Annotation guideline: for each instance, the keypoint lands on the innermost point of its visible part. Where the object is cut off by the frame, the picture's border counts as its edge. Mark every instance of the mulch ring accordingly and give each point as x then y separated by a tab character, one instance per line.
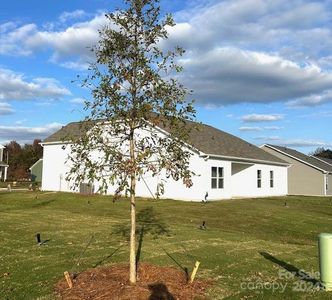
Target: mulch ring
153	283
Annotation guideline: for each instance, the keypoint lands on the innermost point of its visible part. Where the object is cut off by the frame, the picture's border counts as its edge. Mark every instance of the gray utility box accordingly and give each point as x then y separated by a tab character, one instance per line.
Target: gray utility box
86	188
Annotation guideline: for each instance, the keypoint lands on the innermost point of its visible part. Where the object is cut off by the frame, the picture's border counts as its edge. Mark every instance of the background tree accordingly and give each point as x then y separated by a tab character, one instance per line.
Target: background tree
322	152
20	159
133	92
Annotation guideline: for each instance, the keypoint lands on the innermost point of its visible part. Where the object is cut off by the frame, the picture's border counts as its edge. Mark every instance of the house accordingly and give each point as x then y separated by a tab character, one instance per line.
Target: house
36	171
307	175
225	167
3	165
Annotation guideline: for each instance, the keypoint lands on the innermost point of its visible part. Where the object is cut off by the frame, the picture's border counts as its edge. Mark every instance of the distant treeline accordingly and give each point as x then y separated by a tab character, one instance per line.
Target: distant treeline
21	158
322	152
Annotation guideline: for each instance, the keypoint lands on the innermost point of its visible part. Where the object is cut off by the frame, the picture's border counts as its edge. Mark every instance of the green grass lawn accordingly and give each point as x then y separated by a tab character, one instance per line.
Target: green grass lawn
247	247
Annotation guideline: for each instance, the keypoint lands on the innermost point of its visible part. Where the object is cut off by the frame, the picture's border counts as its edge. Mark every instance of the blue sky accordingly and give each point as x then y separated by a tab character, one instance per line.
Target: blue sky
260	70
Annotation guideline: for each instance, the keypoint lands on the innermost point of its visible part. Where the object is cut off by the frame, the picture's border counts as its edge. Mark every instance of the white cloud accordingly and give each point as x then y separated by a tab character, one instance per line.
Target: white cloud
320	114
78	65
76	14
304	143
6	27
294	42
13	37
20	122
258	128
261	118
250	128
14	86
6	109
251	23
273	127
312	100
69	46
296	143
288	69
77	101
272	138
229	75
23	134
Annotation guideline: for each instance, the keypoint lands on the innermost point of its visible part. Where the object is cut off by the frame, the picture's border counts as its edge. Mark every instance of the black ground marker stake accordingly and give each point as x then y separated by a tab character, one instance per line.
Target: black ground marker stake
38	238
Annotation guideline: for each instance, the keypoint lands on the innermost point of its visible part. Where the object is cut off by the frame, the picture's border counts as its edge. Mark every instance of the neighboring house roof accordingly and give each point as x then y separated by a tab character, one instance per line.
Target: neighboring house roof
37	162
323	159
207	139
308	160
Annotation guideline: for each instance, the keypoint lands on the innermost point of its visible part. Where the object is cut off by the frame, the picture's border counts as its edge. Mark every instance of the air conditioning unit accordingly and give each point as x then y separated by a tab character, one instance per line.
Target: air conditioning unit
86	189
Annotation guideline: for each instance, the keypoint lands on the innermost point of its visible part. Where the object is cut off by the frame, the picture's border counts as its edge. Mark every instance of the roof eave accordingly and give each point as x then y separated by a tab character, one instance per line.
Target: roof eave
55	143
252	160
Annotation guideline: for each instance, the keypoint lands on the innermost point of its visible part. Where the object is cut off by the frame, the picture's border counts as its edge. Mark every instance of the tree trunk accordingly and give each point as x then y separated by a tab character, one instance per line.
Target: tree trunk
132	271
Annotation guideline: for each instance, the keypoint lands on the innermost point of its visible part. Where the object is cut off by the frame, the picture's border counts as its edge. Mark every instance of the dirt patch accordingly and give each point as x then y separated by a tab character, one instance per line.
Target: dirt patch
153	283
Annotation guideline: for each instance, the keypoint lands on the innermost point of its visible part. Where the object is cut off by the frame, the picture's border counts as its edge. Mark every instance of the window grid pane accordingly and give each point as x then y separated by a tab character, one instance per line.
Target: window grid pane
214	183
221	183
217	177
221	172
214	172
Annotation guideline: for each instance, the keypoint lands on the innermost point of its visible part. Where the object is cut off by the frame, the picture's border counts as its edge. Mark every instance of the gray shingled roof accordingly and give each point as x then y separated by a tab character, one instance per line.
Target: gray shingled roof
327	160
68	132
205	138
305	158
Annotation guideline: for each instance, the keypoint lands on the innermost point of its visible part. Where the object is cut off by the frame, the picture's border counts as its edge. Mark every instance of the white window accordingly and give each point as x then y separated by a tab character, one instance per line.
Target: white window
217	178
259	178
271	179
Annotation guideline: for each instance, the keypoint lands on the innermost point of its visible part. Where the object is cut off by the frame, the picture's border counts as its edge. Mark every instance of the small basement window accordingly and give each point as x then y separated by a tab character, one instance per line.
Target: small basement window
271	179
259	178
217	178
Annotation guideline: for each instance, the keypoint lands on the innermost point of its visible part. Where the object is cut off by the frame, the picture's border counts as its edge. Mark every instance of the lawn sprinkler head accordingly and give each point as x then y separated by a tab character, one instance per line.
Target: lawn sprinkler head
203	227
38	238
205	197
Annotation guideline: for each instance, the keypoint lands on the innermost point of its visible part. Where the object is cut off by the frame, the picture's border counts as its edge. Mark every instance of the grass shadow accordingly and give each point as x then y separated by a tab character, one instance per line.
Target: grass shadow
147	222
299	274
43	203
106	257
140	244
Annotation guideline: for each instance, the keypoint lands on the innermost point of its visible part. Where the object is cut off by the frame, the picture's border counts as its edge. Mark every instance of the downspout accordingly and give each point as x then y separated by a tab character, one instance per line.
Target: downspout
325	184
206	157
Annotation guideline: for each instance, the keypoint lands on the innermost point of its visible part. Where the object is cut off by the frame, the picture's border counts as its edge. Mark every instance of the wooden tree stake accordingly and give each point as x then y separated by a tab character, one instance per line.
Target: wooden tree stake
68	279
193	274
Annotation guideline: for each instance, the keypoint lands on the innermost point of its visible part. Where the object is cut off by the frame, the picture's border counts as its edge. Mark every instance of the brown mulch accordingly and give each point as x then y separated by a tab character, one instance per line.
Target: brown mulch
153	283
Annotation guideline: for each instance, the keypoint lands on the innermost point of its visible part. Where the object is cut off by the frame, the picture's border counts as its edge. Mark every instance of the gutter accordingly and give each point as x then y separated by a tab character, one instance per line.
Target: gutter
207	156
55	143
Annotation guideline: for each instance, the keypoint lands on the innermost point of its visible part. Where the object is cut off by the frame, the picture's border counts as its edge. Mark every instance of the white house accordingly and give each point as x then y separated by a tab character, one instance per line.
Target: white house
3	165
225	167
